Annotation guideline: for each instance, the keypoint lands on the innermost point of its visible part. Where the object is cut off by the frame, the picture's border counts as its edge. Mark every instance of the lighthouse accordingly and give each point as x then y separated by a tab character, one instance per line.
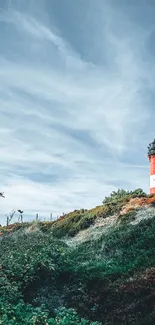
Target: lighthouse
151	156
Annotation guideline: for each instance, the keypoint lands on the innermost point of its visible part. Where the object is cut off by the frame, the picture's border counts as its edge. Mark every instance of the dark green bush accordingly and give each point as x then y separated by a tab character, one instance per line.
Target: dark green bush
28	315
116	200
120	194
72	224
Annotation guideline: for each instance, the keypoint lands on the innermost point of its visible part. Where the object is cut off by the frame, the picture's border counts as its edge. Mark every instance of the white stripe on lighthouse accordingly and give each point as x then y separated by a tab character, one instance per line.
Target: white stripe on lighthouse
152	181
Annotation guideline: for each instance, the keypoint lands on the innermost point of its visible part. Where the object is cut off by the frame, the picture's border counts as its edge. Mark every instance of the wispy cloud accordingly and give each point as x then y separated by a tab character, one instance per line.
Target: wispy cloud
73	127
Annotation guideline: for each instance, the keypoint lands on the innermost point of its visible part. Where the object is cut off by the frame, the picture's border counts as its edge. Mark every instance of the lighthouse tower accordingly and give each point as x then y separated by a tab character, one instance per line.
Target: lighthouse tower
151	156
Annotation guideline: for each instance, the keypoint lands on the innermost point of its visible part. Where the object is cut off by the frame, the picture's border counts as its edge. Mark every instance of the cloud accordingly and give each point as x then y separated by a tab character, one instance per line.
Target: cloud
73	127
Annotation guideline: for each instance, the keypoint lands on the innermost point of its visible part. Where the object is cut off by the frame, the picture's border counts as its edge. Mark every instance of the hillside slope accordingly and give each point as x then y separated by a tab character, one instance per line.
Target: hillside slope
99	263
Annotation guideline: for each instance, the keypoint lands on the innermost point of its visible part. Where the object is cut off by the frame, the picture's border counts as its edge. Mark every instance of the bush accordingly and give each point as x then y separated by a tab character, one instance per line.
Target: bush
72	224
127	217
120	194
70	317
116	200
15	315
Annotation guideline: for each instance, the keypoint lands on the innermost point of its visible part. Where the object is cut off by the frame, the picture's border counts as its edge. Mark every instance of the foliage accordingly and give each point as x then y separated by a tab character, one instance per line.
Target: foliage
25	258
27	261
120	250
116	200
102	265
15	315
123	194
72	224
109	279
70	317
127	217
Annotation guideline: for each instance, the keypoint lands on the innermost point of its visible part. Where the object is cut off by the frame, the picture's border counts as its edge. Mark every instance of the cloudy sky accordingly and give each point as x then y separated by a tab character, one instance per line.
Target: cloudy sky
77	101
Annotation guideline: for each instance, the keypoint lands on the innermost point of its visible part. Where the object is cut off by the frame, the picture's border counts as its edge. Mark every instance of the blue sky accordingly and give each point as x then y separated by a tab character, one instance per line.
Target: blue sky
77	101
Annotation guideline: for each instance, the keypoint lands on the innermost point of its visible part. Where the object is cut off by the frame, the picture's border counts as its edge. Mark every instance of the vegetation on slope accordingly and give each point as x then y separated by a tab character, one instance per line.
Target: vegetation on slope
70	224
110	279
27	262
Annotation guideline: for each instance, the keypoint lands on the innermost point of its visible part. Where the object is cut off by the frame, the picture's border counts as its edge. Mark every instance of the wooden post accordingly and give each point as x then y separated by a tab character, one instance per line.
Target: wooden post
7	221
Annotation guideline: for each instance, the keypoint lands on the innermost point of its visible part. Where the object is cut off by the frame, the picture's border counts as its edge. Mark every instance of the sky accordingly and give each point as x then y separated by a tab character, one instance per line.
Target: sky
77	102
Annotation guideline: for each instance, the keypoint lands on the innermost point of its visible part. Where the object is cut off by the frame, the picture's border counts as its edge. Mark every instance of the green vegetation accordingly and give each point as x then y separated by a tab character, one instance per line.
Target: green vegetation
118	199
27	315
122	194
72	224
27	261
127	217
109	280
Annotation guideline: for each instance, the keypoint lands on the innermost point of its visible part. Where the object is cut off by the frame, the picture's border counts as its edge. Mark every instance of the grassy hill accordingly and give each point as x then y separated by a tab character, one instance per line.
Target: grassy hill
89	267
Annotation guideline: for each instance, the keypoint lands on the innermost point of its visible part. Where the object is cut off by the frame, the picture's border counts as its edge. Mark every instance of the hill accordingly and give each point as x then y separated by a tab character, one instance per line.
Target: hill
89	267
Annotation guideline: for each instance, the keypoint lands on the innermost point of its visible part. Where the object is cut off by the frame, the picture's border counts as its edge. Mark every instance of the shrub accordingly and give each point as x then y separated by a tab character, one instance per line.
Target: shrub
120	194
16	315
72	224
116	200
70	317
127	217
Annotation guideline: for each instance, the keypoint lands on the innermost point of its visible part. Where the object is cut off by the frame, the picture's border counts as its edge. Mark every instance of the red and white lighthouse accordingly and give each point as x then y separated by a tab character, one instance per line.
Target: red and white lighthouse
151	156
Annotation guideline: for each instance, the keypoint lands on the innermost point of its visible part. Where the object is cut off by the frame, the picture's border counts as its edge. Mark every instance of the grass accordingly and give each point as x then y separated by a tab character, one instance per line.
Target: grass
121	250
42	270
110	279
